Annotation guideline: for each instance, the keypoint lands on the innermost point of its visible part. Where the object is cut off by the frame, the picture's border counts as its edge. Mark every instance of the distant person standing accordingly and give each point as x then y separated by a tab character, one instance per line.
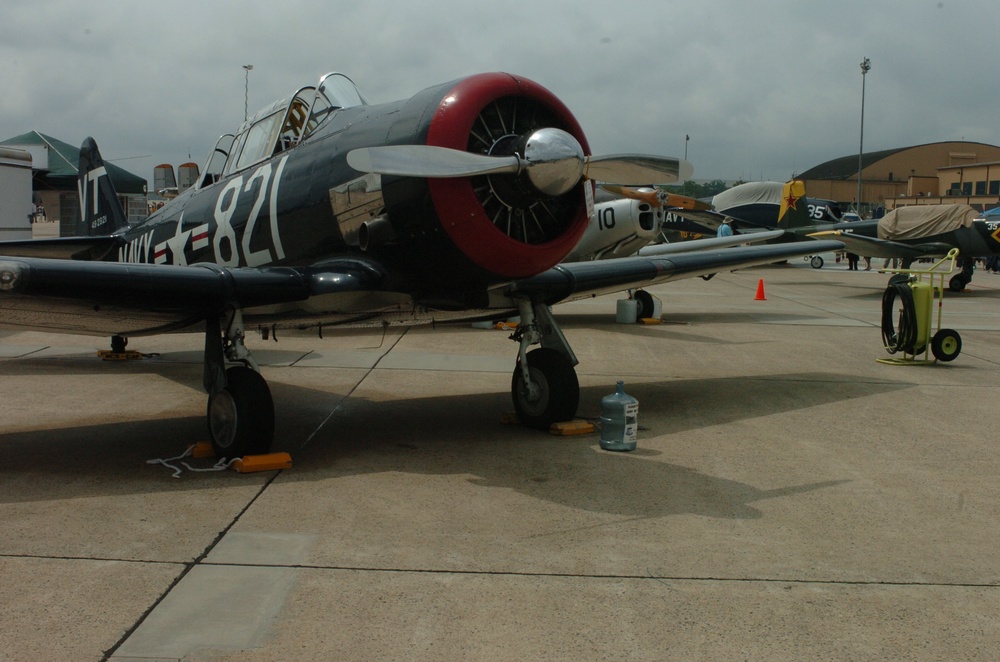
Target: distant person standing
726	229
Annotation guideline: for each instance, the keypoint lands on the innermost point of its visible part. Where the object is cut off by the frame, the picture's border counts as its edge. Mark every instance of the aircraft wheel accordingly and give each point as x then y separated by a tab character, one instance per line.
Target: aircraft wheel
946	345
957	283
241	416
816	262
555	395
644	307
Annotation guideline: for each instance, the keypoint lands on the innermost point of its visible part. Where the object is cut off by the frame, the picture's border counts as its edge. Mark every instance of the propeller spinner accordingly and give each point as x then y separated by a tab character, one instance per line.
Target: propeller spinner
552	159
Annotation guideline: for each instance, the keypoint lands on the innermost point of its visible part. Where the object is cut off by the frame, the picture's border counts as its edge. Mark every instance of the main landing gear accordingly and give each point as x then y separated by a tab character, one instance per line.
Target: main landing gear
240	407
544	386
964	277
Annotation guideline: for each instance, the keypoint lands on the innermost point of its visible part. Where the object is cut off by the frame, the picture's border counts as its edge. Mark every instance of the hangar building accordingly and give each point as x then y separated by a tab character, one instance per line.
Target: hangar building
953	171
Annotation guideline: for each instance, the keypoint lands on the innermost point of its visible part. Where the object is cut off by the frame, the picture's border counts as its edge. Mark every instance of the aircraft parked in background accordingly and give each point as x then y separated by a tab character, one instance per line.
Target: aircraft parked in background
923	231
757	206
323	211
620	226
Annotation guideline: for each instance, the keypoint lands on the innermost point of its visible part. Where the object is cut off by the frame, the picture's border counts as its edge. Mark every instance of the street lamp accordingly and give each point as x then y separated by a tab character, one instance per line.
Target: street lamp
246	91
866	66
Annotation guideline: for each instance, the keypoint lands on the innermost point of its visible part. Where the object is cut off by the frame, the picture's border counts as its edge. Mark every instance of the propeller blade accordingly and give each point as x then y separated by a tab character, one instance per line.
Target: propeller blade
637	169
658	198
428	161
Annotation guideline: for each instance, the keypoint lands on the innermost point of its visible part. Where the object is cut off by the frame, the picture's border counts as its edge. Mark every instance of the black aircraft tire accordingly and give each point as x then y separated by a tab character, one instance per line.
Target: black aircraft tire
816	262
957	283
559	389
241	416
644	304
946	345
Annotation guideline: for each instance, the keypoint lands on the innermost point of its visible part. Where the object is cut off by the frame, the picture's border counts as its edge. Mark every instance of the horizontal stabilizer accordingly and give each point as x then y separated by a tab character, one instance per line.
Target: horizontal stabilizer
62	248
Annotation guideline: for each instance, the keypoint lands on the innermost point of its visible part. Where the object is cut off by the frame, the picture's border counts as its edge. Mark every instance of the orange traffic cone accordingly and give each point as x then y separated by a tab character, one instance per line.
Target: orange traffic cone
760	291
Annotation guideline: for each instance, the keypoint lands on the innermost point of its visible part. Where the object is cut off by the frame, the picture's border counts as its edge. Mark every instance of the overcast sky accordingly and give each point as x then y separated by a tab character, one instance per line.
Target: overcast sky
764	89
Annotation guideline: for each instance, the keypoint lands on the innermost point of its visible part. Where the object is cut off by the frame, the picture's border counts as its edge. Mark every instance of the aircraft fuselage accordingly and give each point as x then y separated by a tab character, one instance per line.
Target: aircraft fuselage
306	205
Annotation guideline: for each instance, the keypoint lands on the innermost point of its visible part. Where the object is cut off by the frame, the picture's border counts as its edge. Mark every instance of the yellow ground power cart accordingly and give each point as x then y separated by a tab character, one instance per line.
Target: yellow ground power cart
909	331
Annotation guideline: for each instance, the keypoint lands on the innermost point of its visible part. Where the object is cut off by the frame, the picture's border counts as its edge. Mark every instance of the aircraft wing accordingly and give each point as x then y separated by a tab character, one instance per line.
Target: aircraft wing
708	244
112	298
576	280
874	247
128	299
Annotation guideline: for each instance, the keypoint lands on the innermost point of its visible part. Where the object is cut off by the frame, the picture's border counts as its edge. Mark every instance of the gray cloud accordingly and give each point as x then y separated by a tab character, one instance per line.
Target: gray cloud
764	89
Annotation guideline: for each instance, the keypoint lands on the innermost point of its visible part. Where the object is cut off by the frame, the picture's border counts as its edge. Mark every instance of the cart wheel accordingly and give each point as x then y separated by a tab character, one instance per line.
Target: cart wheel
946	345
816	262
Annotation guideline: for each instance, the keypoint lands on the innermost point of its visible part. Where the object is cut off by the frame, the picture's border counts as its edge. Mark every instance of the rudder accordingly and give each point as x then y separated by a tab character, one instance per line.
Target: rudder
794	211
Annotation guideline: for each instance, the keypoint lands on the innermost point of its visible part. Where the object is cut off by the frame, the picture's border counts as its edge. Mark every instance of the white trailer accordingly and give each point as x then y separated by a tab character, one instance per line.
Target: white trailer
17	208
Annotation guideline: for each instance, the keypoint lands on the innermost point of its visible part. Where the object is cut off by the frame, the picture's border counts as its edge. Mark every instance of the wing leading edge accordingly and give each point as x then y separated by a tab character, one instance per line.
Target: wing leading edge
584	279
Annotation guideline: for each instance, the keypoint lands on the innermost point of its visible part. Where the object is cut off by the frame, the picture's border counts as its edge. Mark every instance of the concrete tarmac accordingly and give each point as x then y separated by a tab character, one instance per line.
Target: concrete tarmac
790	498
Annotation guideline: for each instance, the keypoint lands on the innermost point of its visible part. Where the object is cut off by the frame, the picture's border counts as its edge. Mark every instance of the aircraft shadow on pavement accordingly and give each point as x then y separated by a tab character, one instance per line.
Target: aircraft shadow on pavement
432	436
441	435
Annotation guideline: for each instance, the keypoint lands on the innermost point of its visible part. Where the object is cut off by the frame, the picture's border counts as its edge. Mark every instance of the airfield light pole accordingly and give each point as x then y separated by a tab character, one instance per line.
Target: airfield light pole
246	91
866	66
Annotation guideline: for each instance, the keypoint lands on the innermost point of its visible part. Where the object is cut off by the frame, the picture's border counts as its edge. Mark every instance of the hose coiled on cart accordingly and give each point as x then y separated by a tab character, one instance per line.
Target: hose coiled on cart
905	336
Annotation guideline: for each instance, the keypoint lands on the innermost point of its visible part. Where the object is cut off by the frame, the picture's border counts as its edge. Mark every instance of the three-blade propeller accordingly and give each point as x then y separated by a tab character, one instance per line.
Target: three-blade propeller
552	159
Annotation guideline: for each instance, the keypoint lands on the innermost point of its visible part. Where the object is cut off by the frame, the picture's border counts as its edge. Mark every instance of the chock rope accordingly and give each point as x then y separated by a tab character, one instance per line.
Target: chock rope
221	465
904	336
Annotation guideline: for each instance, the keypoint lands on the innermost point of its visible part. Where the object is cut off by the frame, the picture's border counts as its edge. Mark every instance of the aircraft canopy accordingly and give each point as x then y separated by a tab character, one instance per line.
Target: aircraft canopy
281	126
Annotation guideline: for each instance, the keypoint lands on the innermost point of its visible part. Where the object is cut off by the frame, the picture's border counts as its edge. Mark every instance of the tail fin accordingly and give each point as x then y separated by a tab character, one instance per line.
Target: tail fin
794	211
101	212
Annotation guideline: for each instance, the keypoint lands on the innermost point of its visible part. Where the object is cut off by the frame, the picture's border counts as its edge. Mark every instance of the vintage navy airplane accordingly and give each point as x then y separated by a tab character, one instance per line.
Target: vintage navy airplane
757	206
625	220
923	231
323	211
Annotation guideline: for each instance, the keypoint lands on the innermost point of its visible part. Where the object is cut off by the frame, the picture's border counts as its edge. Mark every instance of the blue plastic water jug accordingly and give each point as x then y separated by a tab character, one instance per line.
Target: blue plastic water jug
619	421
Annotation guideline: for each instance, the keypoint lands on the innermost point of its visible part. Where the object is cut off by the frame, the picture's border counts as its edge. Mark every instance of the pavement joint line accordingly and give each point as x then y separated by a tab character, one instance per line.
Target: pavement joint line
189	566
96	559
576	575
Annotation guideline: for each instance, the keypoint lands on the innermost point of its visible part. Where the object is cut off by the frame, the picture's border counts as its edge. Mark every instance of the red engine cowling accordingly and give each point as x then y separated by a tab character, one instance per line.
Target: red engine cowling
501	222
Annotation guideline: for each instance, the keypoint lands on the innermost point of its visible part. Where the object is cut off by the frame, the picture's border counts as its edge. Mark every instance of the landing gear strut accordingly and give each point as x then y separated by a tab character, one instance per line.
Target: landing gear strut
544	386
963	278
240	407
